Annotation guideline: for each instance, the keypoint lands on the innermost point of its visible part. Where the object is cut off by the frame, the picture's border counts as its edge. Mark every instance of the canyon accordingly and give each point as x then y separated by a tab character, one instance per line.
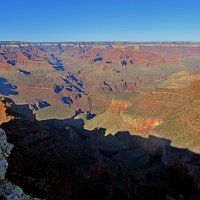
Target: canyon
102	120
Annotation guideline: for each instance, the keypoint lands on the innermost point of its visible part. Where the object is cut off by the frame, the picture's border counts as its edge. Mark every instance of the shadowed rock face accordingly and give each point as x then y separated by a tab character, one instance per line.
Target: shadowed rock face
5	151
24	72
8	191
65	163
7	88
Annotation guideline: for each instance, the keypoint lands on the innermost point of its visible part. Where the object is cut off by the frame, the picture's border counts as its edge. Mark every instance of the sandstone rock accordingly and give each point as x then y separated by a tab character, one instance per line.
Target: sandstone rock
3	116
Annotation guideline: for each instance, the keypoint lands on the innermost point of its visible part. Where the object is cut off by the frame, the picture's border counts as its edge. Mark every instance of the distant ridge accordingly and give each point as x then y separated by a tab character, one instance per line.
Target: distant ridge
114	42
99	44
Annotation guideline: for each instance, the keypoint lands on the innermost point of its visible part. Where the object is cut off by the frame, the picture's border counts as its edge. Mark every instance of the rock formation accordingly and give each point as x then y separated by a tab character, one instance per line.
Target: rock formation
3	116
4	153
8	191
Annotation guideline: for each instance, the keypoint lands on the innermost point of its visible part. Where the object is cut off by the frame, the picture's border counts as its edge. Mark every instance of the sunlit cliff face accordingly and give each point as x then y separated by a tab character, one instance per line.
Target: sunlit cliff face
3	115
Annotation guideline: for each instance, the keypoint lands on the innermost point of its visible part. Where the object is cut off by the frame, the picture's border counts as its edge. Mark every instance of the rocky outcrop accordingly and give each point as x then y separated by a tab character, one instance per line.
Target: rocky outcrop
8	191
5	150
3	116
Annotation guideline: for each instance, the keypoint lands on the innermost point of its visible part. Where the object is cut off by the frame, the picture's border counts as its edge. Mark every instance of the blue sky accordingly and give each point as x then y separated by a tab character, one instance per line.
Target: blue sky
100	20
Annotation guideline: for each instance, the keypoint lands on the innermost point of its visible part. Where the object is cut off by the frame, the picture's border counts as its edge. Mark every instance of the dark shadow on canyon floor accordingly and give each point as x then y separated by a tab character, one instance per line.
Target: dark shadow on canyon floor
59	162
7	88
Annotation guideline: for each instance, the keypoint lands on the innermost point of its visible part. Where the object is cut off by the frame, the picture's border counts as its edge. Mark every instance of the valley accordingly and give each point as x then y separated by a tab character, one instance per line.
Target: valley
102	120
136	85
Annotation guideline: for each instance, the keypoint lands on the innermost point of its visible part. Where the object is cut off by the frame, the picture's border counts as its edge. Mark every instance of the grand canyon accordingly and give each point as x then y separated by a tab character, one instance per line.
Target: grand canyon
100	120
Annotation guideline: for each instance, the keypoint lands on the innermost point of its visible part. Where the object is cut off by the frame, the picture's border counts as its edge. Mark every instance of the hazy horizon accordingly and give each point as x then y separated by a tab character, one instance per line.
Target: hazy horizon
159	41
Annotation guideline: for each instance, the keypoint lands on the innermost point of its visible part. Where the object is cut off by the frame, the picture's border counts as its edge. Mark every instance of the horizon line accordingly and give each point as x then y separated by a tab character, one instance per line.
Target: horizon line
101	41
